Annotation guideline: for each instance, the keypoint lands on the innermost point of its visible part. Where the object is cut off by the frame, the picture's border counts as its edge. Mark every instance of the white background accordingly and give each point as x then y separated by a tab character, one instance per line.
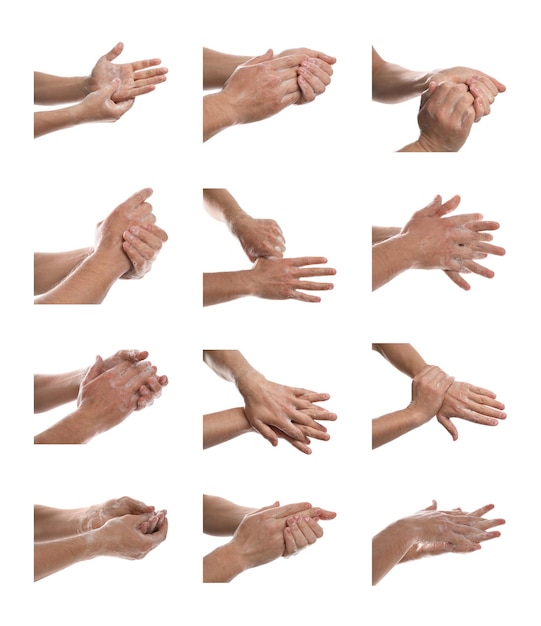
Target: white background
326	172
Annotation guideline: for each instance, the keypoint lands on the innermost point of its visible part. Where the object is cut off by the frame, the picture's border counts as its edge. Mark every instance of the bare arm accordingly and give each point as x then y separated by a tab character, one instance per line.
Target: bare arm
218	67
222	517
403	356
50	268
223	426
392	83
52	390
50	89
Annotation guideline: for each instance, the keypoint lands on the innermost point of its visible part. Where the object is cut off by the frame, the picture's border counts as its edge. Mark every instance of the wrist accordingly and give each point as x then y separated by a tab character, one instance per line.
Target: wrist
417	416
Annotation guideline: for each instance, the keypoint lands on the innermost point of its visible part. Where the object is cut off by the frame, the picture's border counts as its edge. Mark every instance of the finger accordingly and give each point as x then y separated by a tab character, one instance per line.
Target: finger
289	542
475	268
141	65
431	507
449	206
480	512
458	280
299	445
300	540
480	109
449	426
287	510
265	431
321	514
138	197
114	52
320	69
307	91
315	433
308	260
260	59
93	371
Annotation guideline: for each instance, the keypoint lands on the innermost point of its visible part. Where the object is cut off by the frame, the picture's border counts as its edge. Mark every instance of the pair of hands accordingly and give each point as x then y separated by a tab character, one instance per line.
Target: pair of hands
113	388
434	393
127	528
454	244
268	83
281	412
274	531
455	99
129	238
113	87
439	532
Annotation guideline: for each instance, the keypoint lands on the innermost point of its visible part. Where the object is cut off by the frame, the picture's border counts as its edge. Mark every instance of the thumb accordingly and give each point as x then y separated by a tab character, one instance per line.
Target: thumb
262	57
93	371
431	210
432	507
114	52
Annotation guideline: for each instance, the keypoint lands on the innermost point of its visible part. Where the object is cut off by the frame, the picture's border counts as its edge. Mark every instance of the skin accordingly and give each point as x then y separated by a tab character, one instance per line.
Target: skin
105	398
53	390
225	425
271	407
257	237
127	242
452	100
105	95
124	528
259	535
260	87
458	400
429	533
271	279
430	240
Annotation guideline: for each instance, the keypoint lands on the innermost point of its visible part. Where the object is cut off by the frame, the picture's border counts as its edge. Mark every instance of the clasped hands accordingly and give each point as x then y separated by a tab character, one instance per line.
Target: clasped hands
454	244
281	412
268	83
129	238
274	531
455	99
435	393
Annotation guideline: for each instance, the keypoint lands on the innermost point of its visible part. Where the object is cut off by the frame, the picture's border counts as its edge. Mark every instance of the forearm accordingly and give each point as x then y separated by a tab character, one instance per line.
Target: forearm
223	426
51	523
394	425
52	556
221	205
228	364
218	67
76	428
389	547
50	268
403	356
382	233
50	90
217	115
389	259
50	121
222	517
89	283
392	83
219	287
221	565
52	390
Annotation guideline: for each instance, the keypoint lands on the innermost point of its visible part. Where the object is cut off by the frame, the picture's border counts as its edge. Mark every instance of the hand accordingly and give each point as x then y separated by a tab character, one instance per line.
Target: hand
452	243
98	514
262	87
484	88
309	432
451	531
260	537
269	404
135	79
314	74
109	396
428	389
258	237
445	117
110	231
280	279
473	404
149	391
101	105
300	532
142	245
132	536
